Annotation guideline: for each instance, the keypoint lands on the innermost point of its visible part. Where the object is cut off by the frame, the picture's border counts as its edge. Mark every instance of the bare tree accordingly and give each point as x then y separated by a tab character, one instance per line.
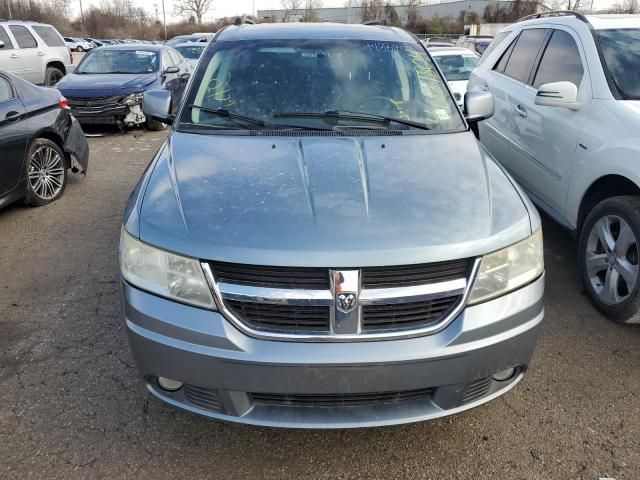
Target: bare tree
193	7
289	6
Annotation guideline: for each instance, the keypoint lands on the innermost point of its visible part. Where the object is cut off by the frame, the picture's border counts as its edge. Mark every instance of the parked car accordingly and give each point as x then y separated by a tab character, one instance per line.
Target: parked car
78	44
39	140
438	42
476	44
95	42
567	91
108	84
321	241
191	51
196	37
456	65
34	51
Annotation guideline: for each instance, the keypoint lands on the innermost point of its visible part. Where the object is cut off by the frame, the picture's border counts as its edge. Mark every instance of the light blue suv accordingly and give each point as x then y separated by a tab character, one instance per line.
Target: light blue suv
321	241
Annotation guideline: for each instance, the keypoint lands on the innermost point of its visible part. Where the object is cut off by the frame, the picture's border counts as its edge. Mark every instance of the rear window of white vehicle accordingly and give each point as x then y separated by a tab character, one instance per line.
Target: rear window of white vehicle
23	36
48	35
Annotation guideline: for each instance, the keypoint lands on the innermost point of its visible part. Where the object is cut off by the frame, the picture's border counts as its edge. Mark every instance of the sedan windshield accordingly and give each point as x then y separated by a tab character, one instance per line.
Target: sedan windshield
192	52
456	67
621	50
321	84
119	61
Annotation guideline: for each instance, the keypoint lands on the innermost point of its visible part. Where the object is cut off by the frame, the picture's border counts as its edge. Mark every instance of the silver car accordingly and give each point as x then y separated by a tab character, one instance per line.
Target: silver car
321	242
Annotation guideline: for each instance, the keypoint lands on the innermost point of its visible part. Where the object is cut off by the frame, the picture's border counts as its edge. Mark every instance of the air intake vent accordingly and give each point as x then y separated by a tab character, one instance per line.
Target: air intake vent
341	400
407	275
203	397
284	318
406	315
476	390
266	276
325	133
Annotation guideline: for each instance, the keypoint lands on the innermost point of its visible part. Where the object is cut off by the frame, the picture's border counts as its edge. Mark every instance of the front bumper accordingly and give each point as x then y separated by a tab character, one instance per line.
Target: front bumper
231	376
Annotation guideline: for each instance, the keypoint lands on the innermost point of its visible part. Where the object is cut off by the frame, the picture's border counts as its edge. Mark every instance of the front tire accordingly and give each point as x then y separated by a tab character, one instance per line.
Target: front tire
609	258
79	49
155	126
46	172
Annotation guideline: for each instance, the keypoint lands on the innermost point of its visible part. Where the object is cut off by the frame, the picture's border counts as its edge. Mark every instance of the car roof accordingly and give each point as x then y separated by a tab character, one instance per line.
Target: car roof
300	31
191	44
443	51
134	46
614	21
597	21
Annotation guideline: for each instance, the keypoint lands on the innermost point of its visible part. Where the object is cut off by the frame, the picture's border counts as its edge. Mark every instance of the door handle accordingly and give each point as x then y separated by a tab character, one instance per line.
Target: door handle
485	87
13	55
12	116
41	54
521	111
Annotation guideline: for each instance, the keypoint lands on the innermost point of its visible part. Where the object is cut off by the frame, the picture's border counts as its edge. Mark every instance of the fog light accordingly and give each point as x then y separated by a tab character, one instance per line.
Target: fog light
169	385
504	375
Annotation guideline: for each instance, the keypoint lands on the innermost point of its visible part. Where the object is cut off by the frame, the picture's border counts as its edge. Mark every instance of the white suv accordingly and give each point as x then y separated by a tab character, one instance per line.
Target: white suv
567	127
34	51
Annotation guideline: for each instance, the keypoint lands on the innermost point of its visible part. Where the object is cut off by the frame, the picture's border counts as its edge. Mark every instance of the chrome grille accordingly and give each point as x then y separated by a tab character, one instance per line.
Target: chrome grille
341	400
310	304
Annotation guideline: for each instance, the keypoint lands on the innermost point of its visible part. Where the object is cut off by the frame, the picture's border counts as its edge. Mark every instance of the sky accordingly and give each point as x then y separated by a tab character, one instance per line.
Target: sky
229	8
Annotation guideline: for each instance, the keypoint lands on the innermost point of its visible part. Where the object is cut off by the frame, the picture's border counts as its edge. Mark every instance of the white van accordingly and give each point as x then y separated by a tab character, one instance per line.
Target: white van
34	51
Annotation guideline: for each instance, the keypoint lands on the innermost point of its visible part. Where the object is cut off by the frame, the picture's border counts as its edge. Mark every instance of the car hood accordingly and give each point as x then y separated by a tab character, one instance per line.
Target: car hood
96	85
329	201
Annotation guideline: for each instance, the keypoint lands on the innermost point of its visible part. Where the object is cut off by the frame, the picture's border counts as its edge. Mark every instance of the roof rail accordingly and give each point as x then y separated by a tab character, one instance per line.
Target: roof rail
381	21
559	13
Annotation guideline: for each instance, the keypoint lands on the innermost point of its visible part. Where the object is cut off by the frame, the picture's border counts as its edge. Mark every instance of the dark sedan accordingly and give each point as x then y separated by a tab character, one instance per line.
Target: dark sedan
40	141
108	84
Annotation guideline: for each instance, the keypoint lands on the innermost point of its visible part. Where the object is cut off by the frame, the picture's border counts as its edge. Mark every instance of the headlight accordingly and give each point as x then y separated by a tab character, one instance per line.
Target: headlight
133	99
166	274
508	269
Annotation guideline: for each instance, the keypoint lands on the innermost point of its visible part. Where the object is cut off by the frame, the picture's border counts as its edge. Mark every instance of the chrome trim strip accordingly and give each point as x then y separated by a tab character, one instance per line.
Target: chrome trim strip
416	293
281	296
322	337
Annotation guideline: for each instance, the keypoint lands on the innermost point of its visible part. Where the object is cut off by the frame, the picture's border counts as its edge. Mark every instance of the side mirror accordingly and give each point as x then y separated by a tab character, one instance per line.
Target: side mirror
156	104
478	105
1	44
170	70
558	94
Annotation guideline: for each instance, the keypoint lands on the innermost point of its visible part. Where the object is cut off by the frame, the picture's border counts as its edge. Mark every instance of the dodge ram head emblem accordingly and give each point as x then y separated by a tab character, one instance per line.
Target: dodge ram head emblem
346	301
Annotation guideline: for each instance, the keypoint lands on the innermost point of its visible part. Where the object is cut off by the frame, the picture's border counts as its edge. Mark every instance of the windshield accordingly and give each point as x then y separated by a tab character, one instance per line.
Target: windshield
621	51
119	61
272	81
192	51
456	67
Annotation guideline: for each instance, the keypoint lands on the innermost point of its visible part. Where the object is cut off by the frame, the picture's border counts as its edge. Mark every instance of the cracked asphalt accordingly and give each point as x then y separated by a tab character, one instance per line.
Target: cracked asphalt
71	405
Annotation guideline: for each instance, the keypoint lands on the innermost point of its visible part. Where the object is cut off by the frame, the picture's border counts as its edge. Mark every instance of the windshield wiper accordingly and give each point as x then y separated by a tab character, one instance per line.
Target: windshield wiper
335	115
223	112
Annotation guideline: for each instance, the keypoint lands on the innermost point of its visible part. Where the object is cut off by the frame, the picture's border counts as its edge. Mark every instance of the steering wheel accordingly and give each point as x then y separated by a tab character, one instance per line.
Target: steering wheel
376	98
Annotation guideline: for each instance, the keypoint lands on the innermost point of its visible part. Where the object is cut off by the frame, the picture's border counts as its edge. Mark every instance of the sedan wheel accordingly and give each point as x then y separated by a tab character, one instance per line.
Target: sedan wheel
47	174
610	259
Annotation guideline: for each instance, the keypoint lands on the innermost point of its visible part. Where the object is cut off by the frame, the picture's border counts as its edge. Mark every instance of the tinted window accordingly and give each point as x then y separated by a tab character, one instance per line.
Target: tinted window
5	38
5	90
560	61
524	54
621	51
493	45
48	36
273	80
192	52
502	63
23	37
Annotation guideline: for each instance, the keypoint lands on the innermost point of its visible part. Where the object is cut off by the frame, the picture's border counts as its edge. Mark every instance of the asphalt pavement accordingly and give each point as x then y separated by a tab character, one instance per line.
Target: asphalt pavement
72	406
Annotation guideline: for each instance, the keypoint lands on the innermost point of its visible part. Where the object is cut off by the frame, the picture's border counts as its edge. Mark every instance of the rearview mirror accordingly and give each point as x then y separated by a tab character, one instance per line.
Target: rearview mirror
156	104
478	105
171	70
558	94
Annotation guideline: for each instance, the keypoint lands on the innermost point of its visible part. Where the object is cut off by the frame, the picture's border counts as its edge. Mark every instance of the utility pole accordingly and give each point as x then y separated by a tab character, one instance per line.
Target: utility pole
9	7
164	17
81	12
155	5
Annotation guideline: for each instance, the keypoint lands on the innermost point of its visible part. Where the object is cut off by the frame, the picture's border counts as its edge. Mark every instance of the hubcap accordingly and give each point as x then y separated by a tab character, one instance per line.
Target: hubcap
46	172
612	259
